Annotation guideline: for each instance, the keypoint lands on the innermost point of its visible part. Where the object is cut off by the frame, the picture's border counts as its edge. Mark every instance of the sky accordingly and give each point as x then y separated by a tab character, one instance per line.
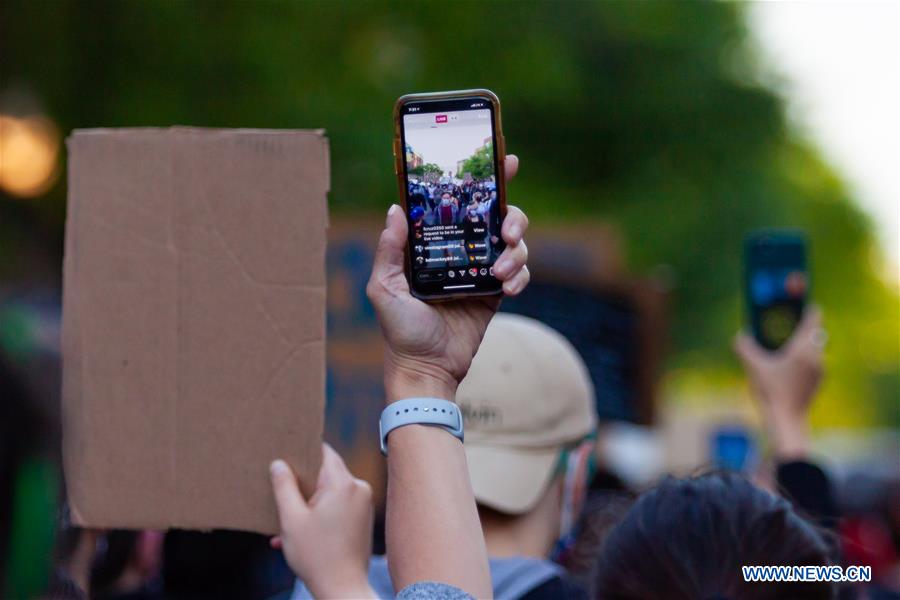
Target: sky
444	145
840	63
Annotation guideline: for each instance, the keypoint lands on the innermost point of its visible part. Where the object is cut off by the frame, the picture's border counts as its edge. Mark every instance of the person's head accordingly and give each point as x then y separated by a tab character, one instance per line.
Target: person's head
445	198
528	406
416	213
476	197
689	538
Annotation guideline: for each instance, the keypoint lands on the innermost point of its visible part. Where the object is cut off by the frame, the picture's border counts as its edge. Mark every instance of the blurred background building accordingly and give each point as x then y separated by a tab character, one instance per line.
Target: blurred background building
652	136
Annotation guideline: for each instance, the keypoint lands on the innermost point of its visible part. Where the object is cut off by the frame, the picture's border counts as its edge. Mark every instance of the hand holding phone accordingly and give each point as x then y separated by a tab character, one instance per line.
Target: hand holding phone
450	161
429	346
785	382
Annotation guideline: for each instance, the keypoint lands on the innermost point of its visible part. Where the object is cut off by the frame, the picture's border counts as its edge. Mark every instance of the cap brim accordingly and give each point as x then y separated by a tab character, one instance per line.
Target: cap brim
508	479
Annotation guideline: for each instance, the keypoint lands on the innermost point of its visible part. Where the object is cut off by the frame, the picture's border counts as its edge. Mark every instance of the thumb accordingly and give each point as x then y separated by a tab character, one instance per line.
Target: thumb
747	349
288	498
389	257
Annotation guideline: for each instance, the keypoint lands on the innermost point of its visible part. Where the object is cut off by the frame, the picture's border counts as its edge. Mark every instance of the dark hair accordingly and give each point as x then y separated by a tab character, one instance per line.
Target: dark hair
110	563
688	538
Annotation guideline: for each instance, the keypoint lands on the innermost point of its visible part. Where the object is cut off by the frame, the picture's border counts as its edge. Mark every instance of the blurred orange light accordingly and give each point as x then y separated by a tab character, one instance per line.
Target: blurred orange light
29	148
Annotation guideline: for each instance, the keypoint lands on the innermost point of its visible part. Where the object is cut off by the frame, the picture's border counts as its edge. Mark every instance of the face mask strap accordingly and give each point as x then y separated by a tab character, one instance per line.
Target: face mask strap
579	466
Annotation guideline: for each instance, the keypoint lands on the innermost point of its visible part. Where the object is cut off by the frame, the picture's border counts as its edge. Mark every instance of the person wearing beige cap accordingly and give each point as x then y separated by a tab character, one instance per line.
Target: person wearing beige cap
528	409
530	420
526	400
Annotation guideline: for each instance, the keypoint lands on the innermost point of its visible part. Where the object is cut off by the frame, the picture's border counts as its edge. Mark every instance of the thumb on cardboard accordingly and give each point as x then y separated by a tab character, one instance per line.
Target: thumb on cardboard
288	498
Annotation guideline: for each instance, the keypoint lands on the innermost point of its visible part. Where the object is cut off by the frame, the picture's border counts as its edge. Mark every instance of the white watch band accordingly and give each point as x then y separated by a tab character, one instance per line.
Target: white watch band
420	411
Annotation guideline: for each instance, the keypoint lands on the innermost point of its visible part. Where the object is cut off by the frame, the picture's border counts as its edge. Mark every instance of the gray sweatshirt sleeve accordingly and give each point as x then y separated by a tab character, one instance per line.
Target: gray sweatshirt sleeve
430	590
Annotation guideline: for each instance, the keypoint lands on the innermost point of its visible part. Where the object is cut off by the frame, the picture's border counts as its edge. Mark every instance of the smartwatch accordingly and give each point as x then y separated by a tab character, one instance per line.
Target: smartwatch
420	411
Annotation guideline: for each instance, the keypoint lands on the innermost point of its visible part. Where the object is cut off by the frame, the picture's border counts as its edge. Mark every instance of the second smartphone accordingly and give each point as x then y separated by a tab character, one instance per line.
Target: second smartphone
448	156
776	283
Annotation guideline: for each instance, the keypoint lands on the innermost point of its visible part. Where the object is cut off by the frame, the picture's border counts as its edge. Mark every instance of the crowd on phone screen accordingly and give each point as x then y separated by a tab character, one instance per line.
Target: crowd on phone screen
468	205
452	203
557	524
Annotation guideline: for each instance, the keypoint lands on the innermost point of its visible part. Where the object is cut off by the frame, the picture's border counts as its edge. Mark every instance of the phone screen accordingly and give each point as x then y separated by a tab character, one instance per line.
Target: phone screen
453	198
777	285
733	448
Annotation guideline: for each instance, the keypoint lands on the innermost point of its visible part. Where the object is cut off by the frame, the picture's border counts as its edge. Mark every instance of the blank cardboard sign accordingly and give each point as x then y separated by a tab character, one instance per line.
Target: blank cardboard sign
193	323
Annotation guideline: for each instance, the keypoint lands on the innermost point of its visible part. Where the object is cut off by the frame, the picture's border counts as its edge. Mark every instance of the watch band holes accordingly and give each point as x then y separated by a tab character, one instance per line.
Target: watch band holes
405	410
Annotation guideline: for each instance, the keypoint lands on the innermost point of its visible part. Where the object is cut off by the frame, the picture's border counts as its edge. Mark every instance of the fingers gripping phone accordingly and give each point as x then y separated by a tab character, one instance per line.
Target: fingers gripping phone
776	283
448	157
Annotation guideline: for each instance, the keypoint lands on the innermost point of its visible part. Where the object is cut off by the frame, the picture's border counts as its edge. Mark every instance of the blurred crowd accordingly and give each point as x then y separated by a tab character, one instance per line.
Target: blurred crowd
549	513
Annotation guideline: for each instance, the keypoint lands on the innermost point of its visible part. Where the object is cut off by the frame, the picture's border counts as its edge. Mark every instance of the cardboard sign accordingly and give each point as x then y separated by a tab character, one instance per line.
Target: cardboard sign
193	323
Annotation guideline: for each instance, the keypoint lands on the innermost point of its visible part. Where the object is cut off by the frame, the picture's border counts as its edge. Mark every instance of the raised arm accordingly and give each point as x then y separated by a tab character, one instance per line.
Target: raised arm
784	383
433	531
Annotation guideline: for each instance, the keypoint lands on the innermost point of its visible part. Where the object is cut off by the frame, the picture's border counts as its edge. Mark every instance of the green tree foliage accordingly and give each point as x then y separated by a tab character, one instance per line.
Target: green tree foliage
426	168
481	164
648	115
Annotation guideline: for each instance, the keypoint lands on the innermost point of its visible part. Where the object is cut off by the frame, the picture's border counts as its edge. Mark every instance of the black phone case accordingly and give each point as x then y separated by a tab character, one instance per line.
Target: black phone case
770	255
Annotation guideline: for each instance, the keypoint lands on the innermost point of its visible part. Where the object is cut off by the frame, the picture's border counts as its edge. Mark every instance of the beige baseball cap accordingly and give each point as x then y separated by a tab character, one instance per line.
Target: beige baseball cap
527	395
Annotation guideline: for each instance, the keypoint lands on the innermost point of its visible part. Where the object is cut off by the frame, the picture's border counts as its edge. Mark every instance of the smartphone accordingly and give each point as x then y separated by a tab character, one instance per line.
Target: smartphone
733	447
448	157
777	284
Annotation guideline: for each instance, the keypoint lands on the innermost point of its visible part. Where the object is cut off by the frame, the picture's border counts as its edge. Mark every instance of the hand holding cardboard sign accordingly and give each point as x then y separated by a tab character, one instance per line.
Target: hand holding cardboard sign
326	540
430	346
